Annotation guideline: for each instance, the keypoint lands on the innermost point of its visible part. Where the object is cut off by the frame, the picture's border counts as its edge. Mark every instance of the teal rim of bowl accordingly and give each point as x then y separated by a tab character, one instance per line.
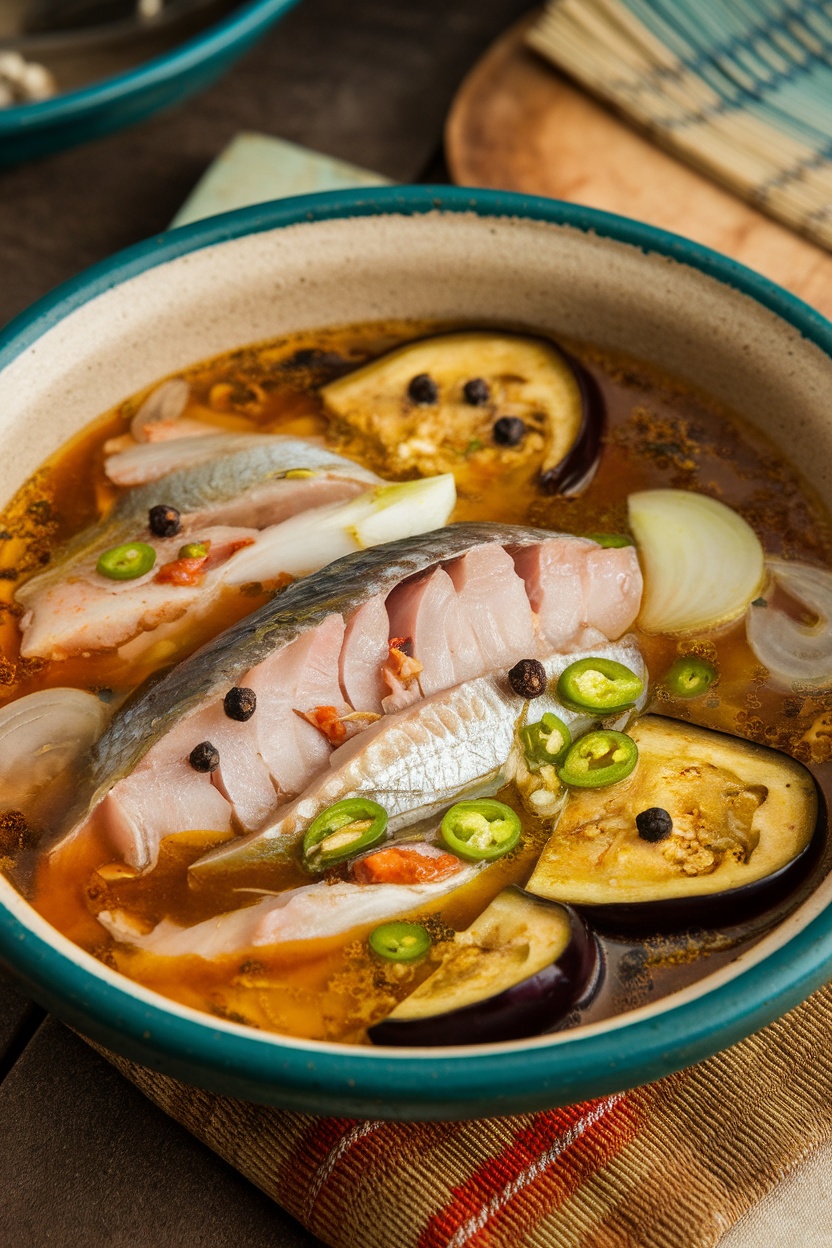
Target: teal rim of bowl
478	1081
218	40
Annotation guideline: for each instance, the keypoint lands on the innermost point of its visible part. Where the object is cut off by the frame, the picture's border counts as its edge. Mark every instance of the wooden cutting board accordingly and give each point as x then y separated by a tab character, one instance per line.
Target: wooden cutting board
517	124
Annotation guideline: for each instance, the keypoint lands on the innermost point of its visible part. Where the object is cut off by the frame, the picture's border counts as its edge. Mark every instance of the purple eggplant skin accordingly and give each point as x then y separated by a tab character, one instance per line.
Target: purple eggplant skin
716	910
529	1008
577	468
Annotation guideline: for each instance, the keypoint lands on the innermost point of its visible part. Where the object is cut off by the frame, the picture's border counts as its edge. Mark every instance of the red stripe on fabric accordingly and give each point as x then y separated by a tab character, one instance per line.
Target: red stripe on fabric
369	1152
539	1170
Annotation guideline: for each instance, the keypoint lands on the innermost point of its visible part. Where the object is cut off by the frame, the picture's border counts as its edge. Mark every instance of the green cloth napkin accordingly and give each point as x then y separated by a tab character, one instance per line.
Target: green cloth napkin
256	167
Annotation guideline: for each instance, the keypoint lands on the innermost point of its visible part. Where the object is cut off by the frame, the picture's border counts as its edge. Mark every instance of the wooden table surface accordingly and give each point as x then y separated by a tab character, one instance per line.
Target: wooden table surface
86	1161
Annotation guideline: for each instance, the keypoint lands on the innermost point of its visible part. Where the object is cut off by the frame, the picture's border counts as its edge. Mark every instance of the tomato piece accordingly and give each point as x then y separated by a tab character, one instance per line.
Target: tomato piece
403	864
327	720
187	571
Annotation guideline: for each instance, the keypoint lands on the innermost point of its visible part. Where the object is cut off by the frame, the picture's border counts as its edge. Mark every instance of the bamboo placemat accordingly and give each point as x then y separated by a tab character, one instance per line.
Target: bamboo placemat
740	88
519	124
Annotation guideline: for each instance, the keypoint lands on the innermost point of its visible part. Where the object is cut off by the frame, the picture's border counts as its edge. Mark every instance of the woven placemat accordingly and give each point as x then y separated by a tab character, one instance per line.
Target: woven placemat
670	1165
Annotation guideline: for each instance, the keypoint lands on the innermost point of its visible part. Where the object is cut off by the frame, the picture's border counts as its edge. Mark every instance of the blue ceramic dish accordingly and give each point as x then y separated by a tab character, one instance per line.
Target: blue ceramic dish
451	254
31	130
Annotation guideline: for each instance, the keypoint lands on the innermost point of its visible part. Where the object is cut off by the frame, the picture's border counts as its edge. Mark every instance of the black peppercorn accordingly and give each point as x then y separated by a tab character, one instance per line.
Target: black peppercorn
476	391
204	757
528	678
654	824
240	703
164	521
509	430
423	390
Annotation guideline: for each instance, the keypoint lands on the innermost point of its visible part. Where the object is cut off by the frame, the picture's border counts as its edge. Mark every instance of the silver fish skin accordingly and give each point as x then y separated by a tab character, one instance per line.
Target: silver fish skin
343	587
415	763
241	463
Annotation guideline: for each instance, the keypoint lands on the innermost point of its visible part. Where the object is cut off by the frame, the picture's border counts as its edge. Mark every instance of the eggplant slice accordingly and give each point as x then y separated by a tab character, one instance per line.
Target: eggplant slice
464	401
515	972
708	829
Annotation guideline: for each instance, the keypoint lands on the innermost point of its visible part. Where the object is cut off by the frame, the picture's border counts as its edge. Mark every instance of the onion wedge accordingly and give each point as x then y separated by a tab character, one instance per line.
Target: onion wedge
42	736
309	541
702	563
166	404
795	652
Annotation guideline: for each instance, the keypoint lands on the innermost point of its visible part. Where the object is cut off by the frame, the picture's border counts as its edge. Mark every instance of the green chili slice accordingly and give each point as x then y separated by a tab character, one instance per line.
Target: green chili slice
400	942
599	758
125	563
482	830
194	550
599	685
545	742
610	541
690	677
342	830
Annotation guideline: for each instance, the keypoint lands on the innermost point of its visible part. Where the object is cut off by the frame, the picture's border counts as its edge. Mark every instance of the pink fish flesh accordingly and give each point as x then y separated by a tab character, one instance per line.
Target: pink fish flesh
339	663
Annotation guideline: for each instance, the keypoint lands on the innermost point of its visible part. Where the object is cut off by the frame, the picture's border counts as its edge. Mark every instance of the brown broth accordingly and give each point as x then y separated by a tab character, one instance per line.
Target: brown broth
660	434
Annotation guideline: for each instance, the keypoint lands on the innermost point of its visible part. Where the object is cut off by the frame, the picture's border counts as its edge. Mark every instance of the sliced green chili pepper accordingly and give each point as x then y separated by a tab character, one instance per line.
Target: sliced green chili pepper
194	550
482	830
599	685
610	541
125	563
545	742
341	831
400	942
599	758
690	677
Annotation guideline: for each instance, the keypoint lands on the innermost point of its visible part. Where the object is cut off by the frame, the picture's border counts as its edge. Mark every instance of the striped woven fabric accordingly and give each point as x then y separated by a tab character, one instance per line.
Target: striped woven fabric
740	88
670	1165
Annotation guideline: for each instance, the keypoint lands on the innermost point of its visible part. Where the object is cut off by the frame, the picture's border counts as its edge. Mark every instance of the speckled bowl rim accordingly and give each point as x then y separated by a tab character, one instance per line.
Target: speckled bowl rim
467	1082
219	39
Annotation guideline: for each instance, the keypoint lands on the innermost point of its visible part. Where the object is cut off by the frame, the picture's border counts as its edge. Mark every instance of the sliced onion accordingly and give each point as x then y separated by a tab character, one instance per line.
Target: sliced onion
41	735
314	538
403	509
796	653
166	402
702	563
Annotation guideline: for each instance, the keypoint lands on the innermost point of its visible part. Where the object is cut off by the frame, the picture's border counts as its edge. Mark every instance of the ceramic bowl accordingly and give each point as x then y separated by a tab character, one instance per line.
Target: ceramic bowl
457	255
76	116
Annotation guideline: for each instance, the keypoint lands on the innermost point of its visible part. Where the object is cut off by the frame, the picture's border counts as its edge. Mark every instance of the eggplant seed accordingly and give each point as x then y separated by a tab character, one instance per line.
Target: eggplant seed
476	391
528	678
240	703
204	757
509	430
423	390
164	521
654	824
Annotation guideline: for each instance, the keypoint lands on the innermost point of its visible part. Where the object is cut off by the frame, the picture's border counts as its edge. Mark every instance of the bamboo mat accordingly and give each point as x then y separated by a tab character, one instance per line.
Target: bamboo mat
519	124
742	89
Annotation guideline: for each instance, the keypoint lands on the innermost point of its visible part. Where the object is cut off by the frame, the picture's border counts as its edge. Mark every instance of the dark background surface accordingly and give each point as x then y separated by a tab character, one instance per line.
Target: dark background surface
86	1161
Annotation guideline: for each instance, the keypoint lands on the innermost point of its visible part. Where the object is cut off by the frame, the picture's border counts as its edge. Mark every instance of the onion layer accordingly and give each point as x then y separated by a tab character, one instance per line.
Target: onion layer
796	653
702	562
41	735
314	538
166	402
